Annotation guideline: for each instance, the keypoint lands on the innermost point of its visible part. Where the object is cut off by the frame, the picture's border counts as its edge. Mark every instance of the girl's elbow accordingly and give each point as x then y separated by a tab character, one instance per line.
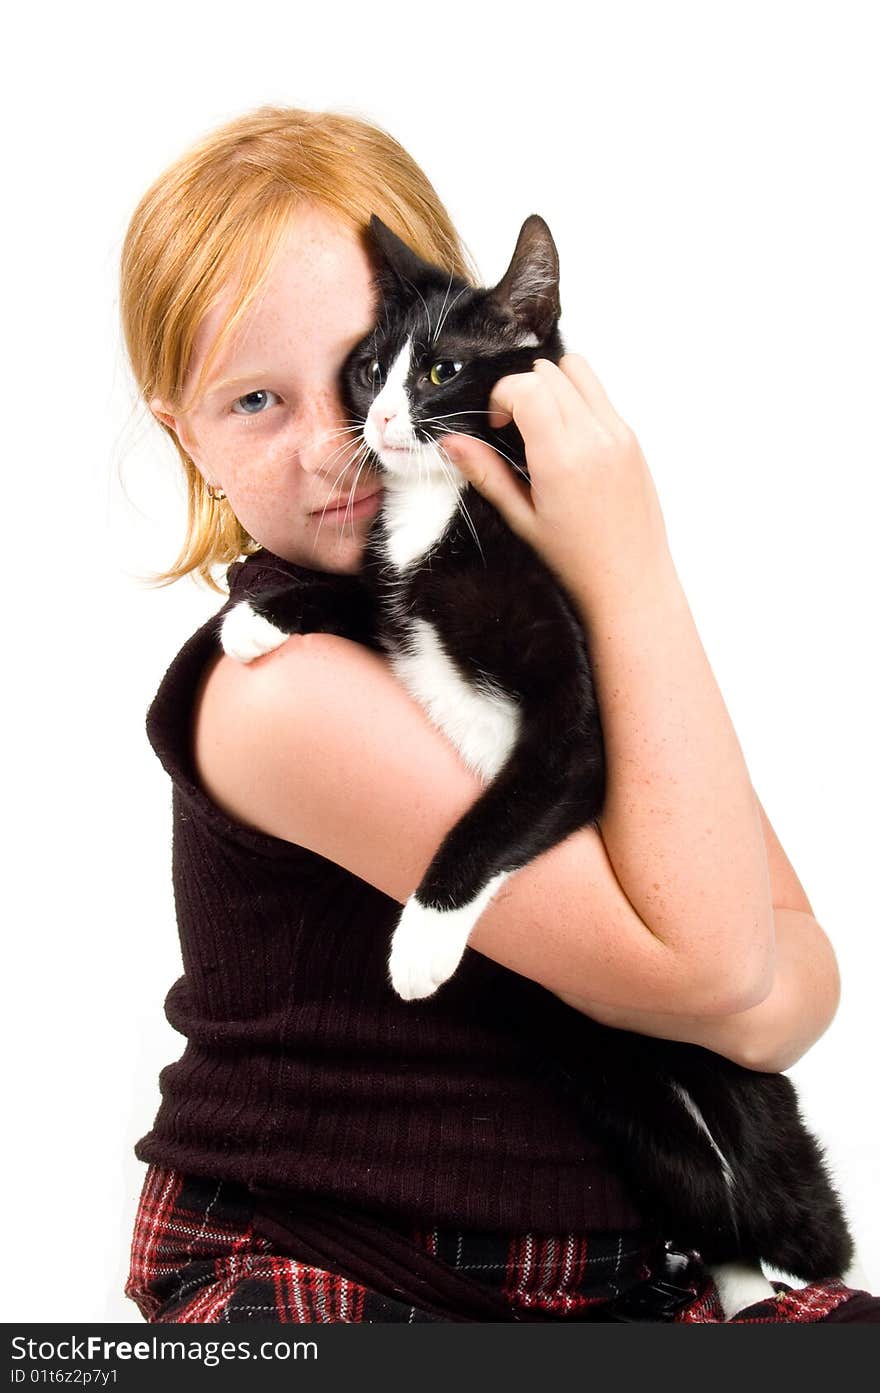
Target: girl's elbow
727	989
753	991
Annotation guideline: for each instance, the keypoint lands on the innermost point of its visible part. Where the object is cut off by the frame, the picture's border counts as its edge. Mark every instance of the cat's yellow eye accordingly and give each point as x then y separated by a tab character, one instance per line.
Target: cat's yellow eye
444	371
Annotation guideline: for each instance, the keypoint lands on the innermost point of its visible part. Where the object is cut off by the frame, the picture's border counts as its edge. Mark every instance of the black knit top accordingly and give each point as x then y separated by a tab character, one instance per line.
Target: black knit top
303	1069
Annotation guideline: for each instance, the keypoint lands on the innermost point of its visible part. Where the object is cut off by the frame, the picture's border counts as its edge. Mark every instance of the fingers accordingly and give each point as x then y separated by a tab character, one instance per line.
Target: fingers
571	387
571	405
492	476
578	371
522	397
535	410
559	410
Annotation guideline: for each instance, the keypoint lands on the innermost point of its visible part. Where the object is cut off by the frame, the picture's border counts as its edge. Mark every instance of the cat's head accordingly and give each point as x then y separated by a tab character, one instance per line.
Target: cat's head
440	345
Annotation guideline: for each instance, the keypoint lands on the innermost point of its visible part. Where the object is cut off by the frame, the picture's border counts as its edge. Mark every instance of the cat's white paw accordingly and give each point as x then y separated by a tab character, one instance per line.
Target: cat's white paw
246	635
426	948
739	1285
428	944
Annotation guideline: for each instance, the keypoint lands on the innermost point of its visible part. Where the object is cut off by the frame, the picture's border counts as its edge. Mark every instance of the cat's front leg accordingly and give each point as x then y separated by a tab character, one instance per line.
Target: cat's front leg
246	633
429	942
264	622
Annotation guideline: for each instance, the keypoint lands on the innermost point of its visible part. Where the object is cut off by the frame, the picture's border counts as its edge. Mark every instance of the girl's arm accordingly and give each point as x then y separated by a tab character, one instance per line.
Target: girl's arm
319	744
802	1001
680	822
772	1035
687	838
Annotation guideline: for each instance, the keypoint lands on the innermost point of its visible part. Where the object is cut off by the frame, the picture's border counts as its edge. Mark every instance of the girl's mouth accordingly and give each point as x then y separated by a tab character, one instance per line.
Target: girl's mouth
365	507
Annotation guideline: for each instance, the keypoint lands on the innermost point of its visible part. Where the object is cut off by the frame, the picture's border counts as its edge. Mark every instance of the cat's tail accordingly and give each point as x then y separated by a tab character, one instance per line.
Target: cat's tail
749	1184
552	783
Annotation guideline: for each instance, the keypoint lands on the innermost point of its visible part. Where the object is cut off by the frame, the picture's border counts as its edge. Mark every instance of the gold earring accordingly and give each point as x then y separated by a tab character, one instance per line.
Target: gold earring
215	493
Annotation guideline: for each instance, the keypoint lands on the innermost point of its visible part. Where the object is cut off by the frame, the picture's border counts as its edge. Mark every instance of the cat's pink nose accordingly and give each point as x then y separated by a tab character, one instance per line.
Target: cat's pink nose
381	415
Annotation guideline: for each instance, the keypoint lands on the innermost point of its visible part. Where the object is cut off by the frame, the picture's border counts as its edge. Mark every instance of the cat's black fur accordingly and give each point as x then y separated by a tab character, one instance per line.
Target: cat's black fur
504	619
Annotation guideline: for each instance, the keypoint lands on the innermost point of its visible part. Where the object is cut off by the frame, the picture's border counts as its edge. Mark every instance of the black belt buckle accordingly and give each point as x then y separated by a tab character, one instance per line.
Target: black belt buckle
658	1298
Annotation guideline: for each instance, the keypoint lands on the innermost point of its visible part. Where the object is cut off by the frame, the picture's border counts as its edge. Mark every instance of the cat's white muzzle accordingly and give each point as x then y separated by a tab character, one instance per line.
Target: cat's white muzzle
417	459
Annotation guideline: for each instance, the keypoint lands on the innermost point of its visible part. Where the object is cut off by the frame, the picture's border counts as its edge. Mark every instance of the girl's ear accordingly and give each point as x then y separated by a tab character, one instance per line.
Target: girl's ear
160	410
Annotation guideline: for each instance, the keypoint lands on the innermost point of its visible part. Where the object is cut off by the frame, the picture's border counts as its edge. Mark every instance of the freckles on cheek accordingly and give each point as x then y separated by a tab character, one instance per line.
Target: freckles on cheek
267	504
257	480
267	512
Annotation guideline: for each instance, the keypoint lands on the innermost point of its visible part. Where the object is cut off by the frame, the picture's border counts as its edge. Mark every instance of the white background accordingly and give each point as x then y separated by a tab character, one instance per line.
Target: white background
709	172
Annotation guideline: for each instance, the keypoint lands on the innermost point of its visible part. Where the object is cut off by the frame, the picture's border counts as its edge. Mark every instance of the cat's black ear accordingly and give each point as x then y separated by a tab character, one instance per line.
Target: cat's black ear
529	288
394	253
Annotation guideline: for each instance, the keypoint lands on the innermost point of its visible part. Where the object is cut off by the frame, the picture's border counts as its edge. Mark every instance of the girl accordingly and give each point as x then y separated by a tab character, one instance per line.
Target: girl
323	1150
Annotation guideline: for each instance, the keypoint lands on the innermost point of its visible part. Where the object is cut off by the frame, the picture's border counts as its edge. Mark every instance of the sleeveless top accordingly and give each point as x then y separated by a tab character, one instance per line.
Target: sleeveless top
304	1072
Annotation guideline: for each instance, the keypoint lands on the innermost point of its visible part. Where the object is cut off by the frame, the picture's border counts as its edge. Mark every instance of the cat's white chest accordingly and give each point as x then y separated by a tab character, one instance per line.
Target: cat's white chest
415	518
481	721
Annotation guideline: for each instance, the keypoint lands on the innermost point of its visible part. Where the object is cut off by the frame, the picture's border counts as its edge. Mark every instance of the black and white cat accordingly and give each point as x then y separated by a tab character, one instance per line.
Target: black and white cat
482	634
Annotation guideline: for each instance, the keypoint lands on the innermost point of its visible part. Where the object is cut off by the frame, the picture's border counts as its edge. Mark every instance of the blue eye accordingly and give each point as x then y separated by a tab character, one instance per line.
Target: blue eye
252	403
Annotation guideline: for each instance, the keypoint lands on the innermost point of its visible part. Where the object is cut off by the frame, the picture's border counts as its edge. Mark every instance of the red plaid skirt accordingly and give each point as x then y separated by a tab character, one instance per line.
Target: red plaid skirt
197	1258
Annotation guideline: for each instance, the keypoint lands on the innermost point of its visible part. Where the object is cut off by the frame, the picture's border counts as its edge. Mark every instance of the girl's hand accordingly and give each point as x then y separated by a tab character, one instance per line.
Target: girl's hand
592	512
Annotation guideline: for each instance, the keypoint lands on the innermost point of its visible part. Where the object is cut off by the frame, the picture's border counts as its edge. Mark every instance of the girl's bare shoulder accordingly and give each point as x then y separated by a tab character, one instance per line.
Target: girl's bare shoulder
319	744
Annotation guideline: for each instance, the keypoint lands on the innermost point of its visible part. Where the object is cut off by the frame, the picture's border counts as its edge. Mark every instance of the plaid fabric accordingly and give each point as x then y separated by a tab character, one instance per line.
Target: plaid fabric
195	1258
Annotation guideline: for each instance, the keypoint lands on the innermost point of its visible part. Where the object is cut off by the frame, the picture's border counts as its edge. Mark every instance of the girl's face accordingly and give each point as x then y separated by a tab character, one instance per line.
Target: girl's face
270	429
